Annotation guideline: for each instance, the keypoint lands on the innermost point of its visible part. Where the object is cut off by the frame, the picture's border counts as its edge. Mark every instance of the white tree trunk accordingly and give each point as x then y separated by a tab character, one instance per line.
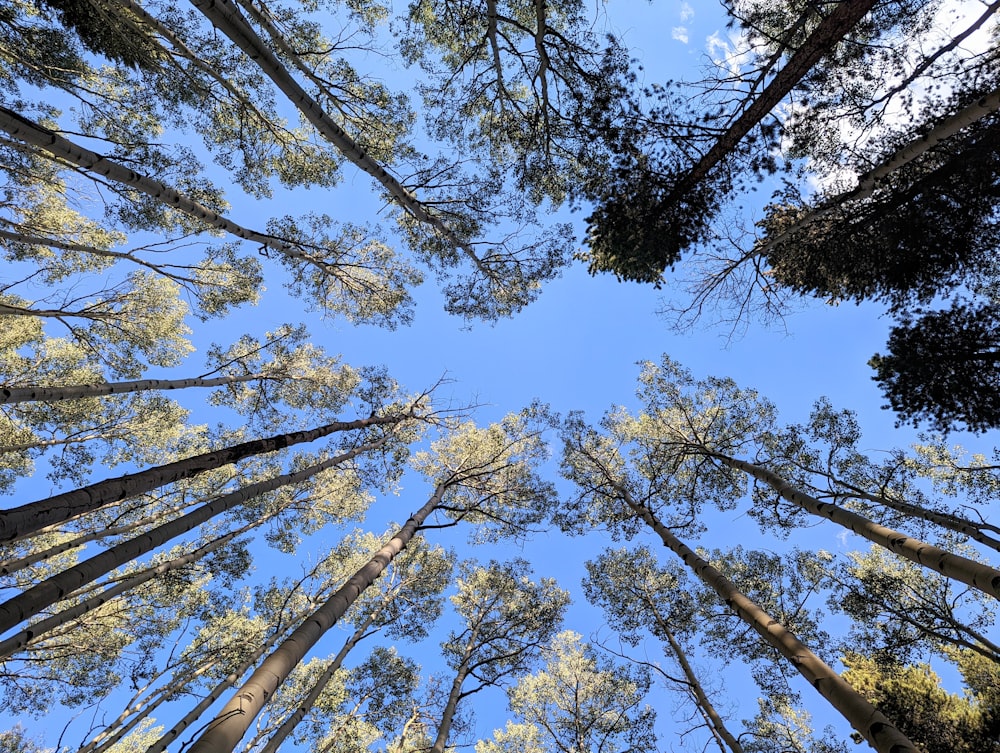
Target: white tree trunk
59	586
20	522
227	729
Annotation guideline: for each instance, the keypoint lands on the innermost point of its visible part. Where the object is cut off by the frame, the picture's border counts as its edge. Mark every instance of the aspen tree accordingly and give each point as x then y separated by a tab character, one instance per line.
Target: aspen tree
576	702
505	618
637	594
483	477
21	521
593	463
48	592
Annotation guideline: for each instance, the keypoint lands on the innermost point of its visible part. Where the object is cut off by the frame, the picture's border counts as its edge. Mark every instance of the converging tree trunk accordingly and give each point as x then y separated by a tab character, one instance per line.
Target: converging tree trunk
868	182
75	391
61	585
19	522
37	630
455	694
232	722
946	520
970	572
288	726
716	725
13	565
831	30
873	726
227	18
199	708
133	715
60	148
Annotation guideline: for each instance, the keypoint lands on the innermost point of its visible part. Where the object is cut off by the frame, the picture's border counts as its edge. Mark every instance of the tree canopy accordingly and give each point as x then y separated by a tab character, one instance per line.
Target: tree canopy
224	529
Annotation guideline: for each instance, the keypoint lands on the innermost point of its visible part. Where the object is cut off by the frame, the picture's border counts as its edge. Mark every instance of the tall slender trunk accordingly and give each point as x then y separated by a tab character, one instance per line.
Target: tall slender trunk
19	522
874	726
868	182
43	443
946	520
61	585
972	573
133	715
38	240
713	719
229	726
844	16
10	566
227	682
230	680
448	714
414	720
293	720
36	630
94	314
226	17
62	149
188	54
76	391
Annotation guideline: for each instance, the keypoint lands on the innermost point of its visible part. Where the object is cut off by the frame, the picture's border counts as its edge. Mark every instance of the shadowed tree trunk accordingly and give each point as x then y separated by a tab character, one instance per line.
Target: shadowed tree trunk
868	182
844	16
199	708
13	565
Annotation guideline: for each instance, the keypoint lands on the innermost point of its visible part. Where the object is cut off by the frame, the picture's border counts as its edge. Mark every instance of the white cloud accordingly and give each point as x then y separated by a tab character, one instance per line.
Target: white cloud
687	12
717	48
729	54
680	33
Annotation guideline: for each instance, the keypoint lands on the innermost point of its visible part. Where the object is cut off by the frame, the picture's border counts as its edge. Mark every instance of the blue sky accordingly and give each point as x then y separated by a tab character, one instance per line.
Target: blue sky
577	346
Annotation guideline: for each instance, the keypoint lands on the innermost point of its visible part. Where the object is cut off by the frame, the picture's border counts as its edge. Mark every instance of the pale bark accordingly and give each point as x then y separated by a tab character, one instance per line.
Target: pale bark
199	708
36	630
714	721
95	315
8	567
19	522
945	520
972	573
227	18
43	443
36	240
130	718
229	726
455	695
60	586
865	718
77	391
62	149
956	41
293	720
229	681
413	721
185	52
